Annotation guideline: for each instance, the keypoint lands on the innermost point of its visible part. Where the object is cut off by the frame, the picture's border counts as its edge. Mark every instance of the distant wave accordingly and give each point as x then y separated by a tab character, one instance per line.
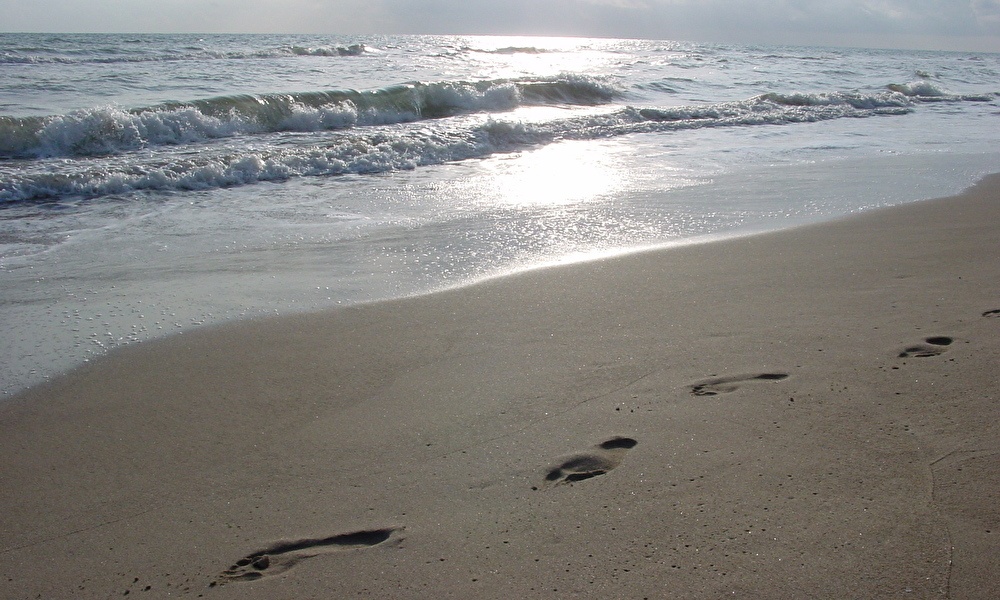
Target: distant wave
512	50
787	56
44	56
378	150
110	130
352	50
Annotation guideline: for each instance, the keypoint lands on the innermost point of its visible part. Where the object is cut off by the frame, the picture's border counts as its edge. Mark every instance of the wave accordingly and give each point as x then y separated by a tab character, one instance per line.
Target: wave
402	147
44	56
780	109
352	50
348	153
669	85
509	50
112	130
925	91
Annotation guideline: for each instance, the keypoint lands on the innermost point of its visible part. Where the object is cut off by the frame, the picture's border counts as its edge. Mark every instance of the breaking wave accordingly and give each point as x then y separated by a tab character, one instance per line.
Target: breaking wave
111	130
925	91
405	146
352	50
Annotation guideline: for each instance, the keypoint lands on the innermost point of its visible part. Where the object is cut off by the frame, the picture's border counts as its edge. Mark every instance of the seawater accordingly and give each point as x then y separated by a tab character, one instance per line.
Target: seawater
150	184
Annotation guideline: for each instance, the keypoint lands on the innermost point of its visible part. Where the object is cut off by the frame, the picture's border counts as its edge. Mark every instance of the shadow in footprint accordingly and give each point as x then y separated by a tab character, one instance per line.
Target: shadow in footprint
992	313
279	557
932	346
584	465
724	385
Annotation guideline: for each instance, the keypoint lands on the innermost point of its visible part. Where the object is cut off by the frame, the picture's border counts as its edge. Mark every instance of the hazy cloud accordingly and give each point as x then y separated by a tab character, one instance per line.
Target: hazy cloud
625	4
987	11
973	24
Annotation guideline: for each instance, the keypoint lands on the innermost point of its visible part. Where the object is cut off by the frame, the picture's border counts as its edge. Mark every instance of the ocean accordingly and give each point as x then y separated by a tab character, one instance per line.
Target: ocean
152	184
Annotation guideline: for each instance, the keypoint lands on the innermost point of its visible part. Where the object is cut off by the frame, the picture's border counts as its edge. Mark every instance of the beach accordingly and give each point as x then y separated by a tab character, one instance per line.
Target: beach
809	413
173	182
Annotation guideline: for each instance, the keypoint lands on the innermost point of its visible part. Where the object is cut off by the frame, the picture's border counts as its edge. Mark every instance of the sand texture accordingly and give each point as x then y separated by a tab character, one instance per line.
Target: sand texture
806	414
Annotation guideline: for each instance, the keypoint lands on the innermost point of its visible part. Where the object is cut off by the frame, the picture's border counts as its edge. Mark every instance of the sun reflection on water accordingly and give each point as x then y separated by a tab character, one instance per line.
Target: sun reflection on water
559	174
566	202
512	56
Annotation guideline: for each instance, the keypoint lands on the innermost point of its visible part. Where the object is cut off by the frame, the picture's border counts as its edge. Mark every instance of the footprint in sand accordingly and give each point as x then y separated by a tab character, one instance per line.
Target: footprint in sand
992	313
599	460
724	385
932	346
278	558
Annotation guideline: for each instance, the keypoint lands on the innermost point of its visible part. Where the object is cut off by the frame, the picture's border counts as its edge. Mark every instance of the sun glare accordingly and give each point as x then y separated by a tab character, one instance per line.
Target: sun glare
570	172
510	56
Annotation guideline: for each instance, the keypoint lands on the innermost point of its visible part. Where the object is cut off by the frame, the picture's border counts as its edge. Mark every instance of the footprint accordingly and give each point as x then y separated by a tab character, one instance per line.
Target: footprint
598	461
932	346
279	557
992	313
724	385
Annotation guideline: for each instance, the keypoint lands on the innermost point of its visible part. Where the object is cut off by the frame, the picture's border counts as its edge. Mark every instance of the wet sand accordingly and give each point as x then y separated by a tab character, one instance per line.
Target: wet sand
808	413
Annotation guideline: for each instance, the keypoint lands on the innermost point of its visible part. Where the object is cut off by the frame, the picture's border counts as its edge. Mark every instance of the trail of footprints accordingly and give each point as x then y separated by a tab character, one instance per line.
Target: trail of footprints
929	347
936	345
598	460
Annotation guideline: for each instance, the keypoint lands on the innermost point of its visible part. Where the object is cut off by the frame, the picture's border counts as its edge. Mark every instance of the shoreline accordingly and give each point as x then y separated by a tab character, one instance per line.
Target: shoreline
91	296
768	415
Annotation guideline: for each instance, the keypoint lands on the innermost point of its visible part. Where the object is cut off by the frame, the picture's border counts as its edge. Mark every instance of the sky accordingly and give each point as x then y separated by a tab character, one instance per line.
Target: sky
918	24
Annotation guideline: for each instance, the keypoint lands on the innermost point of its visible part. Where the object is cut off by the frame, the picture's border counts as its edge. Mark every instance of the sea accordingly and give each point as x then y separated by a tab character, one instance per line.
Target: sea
155	184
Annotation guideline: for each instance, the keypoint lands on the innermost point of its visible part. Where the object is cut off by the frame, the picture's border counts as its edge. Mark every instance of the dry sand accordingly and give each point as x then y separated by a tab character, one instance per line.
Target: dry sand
805	414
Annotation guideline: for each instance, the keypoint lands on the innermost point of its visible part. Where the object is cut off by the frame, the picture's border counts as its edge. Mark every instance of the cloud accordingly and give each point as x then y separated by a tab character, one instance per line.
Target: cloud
879	23
625	4
859	22
987	11
883	23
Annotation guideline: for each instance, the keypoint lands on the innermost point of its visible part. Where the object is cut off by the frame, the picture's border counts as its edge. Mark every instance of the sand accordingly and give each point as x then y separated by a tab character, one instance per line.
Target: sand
804	414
